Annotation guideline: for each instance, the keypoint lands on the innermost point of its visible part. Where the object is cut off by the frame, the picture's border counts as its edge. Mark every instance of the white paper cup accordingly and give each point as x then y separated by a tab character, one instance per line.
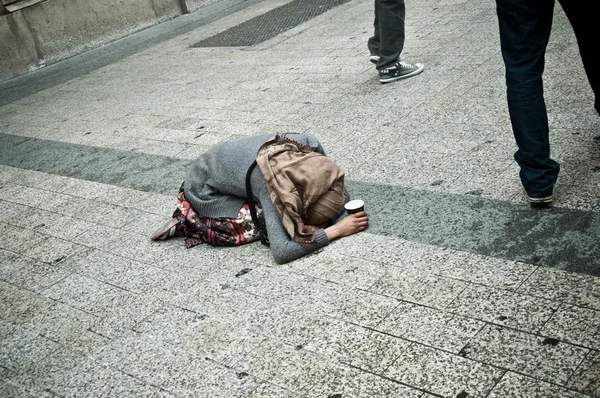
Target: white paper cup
355	206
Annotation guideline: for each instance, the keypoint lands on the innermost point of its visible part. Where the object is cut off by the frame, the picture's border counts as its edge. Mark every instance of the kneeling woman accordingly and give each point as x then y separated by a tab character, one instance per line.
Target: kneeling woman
298	192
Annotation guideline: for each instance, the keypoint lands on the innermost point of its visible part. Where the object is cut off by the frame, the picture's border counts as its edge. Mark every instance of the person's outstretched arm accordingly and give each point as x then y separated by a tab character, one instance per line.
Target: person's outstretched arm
284	249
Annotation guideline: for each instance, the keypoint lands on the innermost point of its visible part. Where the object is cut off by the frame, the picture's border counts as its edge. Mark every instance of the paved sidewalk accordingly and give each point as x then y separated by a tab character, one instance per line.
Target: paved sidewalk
457	289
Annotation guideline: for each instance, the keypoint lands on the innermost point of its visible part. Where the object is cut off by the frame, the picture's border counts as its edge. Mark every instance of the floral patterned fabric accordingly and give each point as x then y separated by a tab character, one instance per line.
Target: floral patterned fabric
197	229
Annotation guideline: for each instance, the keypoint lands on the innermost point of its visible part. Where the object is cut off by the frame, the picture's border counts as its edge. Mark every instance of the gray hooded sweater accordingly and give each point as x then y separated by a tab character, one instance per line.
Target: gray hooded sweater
216	187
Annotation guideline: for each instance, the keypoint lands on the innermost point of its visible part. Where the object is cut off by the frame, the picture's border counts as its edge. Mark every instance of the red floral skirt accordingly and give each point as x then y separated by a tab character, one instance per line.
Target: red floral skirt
198	229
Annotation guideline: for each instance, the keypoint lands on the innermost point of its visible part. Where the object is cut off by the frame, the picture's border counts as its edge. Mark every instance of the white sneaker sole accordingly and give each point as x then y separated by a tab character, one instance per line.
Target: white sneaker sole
544	200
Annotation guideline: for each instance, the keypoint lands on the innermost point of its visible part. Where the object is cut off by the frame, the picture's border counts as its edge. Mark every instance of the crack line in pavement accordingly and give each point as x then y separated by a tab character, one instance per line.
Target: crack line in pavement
556	237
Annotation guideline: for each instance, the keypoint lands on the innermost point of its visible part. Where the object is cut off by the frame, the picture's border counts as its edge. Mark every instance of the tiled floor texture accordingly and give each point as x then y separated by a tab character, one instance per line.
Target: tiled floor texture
457	289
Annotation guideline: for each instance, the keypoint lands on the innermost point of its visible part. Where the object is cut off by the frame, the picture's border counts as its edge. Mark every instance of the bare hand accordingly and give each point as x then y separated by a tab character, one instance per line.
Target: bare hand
349	225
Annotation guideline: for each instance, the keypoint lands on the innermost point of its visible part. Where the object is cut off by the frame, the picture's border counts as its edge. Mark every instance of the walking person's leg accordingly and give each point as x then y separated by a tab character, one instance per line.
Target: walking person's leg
391	16
525	27
374	40
583	19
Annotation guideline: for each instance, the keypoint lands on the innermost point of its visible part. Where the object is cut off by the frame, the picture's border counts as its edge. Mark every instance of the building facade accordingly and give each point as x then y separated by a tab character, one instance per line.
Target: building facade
36	33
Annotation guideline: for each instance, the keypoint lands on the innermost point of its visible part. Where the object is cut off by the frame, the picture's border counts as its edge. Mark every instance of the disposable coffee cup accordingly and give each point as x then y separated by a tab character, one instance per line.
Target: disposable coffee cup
355	206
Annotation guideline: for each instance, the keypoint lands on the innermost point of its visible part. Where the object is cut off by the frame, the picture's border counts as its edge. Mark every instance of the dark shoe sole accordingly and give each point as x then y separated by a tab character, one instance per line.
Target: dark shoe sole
393	79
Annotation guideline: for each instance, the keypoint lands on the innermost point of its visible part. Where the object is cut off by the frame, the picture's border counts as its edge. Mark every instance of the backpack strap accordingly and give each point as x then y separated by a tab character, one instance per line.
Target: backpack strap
264	237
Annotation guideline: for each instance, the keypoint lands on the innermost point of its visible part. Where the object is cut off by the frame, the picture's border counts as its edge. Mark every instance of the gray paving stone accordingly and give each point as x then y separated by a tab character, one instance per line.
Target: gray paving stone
100	236
162	148
22	178
53	250
586	379
545	358
11	211
33	218
141	222
580	199
268	390
215	297
357	346
23	348
12	390
12	238
44	371
19	305
105	214
162	205
210	381
288	367
358	245
123	197
30	274
513	384
252	253
111	327
89	379
420	288
442	373
7	172
484	270
140	248
148	358
62	226
8	328
363	308
580	326
353	272
406	256
570	288
116	305
221	340
282	286
169	323
292	326
71	206
347	381
129	274
81	188
67	326
312	265
504	308
430	327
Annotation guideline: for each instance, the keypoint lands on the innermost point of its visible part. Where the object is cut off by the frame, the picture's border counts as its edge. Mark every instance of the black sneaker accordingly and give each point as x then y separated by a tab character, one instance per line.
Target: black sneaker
400	70
542	200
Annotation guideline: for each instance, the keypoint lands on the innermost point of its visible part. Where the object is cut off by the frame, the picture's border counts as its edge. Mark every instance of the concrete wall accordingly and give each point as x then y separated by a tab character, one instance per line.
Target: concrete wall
194	5
53	30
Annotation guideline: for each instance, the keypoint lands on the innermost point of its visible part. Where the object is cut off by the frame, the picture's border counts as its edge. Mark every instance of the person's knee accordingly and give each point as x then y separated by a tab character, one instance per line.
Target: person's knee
524	83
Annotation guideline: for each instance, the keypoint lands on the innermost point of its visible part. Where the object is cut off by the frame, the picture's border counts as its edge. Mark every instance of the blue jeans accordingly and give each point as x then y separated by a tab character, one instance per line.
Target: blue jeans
525	27
388	38
524	32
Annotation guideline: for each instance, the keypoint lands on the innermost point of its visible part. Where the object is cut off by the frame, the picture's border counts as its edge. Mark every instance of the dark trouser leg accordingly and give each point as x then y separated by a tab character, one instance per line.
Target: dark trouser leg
583	20
524	32
390	15
374	40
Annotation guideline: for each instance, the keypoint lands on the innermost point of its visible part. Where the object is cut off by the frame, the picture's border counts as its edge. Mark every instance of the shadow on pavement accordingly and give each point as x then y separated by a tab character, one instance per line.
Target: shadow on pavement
554	237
